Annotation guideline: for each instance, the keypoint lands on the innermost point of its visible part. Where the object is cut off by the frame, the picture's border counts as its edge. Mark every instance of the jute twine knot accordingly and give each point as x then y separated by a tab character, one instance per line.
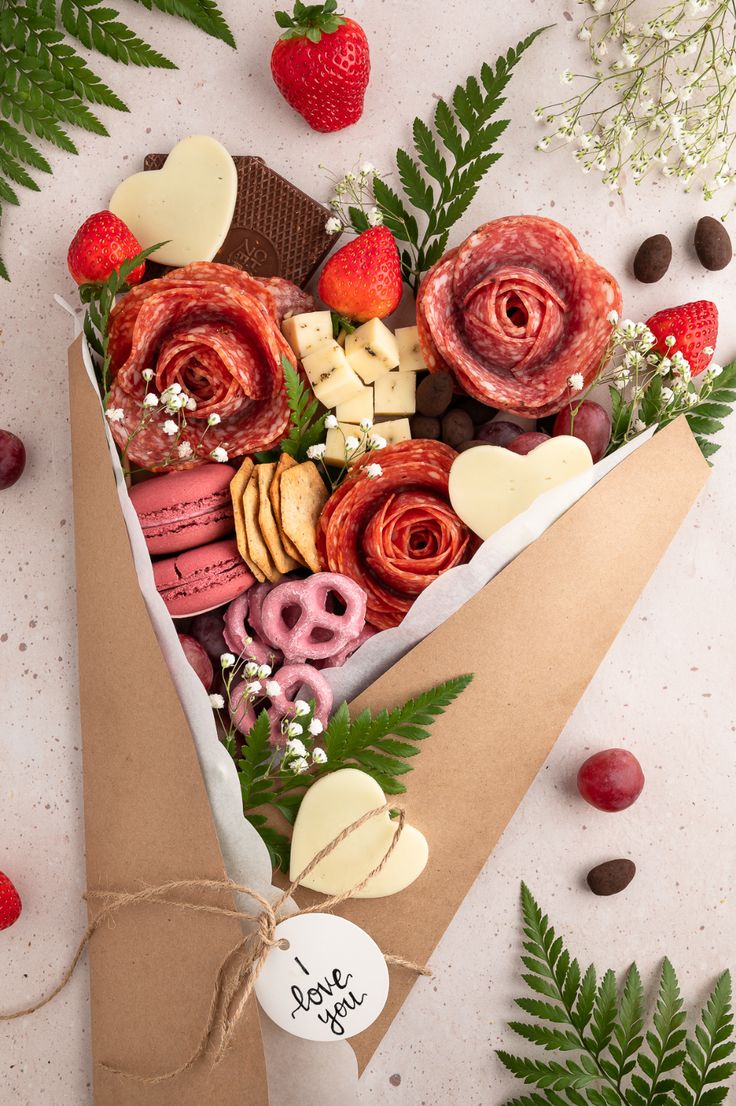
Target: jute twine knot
239	970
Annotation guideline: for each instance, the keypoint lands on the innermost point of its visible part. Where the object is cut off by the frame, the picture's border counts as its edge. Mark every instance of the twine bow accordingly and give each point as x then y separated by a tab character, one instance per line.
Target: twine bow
236	977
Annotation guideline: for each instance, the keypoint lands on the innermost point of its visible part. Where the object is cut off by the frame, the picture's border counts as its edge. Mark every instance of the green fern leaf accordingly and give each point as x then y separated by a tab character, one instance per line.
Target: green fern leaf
204	14
98	28
16	143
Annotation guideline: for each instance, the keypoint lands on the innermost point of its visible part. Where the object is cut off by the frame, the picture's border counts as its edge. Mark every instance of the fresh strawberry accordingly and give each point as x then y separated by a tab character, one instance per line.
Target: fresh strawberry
321	65
10	904
101	245
363	279
694	326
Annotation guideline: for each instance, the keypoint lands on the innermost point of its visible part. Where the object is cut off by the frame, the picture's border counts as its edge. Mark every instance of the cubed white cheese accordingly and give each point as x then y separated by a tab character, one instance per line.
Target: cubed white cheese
398	430
332	379
372	350
411	358
358	408
395	394
335	452
306	333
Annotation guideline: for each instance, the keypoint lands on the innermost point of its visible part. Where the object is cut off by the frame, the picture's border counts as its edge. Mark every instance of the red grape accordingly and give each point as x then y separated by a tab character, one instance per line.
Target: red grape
525	443
197	657
12	459
592	424
207	629
611	780
497	433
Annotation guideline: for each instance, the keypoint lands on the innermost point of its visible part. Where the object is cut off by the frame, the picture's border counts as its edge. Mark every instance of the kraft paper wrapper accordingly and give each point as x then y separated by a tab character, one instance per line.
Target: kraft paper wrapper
534	636
147	818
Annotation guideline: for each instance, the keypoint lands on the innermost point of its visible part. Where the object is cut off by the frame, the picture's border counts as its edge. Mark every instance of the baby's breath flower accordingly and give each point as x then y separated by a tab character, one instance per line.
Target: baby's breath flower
252	688
612	317
273	688
366	425
639	425
150	400
373	471
315	452
670	340
264	671
576	381
294	729
227	660
351	443
319	756
331	422
191	403
219	454
251	669
217	702
115	414
147	375
299	765
376	441
567	76
170	427
295	747
374	216
213	419
315	727
333	225
667	396
708	351
184	450
301	708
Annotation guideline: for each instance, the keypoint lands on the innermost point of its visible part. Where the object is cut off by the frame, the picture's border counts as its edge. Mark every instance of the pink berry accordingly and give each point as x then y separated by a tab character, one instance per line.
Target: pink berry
592	424
611	780
12	459
525	443
196	654
498	432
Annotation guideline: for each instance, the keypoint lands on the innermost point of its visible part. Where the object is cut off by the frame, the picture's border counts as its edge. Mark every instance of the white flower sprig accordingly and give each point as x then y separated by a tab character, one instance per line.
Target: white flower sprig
353	194
354	446
659	97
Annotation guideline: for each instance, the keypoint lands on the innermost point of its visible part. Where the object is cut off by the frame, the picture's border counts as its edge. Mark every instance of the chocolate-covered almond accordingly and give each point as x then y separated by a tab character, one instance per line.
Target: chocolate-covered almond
653	259
457	427
712	244
425	426
611	877
434	394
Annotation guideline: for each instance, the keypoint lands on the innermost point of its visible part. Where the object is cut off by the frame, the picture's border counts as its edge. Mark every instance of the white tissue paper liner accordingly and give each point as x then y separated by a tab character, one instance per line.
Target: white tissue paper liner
327	1073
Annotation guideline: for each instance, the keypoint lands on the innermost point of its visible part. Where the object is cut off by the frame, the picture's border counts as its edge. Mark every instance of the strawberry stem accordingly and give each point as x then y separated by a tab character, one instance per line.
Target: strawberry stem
310	21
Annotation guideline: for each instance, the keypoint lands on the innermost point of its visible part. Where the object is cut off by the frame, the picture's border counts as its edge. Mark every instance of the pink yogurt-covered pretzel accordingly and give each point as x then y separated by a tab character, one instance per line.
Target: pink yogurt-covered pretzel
241	641
296	618
337	660
291	678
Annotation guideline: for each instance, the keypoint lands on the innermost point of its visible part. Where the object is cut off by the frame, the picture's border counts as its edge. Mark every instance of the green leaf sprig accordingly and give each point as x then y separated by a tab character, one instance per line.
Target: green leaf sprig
382	745
440	179
610	1059
47	86
307	427
100	300
310	21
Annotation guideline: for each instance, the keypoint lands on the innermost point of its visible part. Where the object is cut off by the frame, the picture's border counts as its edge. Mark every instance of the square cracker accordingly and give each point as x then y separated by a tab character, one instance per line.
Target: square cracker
257	548
237	489
303	496
274	494
267	523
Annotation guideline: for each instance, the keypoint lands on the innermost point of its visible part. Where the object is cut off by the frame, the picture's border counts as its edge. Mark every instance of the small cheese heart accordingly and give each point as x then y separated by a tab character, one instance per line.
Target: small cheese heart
490	485
188	203
334	802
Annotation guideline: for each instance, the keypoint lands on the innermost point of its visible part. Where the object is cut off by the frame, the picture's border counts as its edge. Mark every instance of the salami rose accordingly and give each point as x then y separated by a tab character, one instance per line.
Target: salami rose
515	311
214	332
395	533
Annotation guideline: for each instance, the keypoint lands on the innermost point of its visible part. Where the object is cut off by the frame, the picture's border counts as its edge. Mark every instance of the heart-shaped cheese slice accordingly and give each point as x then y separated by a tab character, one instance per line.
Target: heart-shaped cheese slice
188	203
335	802
490	485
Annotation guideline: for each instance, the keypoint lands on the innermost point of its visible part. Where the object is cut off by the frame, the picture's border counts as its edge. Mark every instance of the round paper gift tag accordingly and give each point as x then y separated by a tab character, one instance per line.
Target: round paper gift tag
329	984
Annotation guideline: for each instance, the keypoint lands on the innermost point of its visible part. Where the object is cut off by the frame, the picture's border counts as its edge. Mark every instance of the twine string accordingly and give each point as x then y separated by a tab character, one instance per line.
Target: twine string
239	970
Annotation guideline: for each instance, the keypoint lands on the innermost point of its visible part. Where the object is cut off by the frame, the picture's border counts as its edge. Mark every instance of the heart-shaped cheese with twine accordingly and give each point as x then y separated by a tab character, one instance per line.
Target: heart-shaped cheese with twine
490	485
188	203
335	802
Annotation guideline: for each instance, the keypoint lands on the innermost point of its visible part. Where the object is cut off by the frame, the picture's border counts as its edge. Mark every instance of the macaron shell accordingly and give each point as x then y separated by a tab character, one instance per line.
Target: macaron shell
201	579
183	510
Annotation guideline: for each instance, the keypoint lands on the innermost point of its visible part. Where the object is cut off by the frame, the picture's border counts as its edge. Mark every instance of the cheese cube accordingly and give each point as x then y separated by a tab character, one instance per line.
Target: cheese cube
398	430
396	394
332	379
306	333
335	444
411	358
358	408
372	350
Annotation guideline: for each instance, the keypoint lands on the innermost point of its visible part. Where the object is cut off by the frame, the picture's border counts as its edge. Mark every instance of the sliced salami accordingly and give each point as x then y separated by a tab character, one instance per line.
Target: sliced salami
395	533
514	312
212	332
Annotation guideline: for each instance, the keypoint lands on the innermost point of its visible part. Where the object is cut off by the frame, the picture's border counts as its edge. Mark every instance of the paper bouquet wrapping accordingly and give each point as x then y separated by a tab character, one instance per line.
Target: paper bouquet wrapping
532	616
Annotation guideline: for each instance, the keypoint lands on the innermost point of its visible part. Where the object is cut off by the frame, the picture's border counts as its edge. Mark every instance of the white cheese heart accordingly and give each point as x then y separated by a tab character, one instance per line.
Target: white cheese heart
334	802
188	203
490	485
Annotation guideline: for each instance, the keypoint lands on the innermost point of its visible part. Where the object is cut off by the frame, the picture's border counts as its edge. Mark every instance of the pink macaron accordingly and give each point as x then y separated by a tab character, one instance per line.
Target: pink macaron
201	579
182	510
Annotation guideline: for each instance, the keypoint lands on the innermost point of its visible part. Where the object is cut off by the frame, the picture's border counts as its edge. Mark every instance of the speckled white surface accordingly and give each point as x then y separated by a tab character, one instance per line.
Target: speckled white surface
665	690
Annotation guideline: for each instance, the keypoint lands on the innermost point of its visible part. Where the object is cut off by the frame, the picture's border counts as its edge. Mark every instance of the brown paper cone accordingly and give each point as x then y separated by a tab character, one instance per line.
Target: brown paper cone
147	818
534	638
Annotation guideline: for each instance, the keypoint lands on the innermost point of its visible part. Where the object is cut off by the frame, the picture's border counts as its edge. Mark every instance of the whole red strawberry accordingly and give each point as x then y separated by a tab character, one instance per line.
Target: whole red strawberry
694	326
10	904
363	279
100	245
321	65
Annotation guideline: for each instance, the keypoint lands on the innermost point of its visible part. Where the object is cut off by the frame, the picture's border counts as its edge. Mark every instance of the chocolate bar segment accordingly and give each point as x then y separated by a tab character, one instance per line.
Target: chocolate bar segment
277	230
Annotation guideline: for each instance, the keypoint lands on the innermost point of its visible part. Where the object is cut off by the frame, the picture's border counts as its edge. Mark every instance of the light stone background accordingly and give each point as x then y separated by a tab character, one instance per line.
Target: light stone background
666	689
